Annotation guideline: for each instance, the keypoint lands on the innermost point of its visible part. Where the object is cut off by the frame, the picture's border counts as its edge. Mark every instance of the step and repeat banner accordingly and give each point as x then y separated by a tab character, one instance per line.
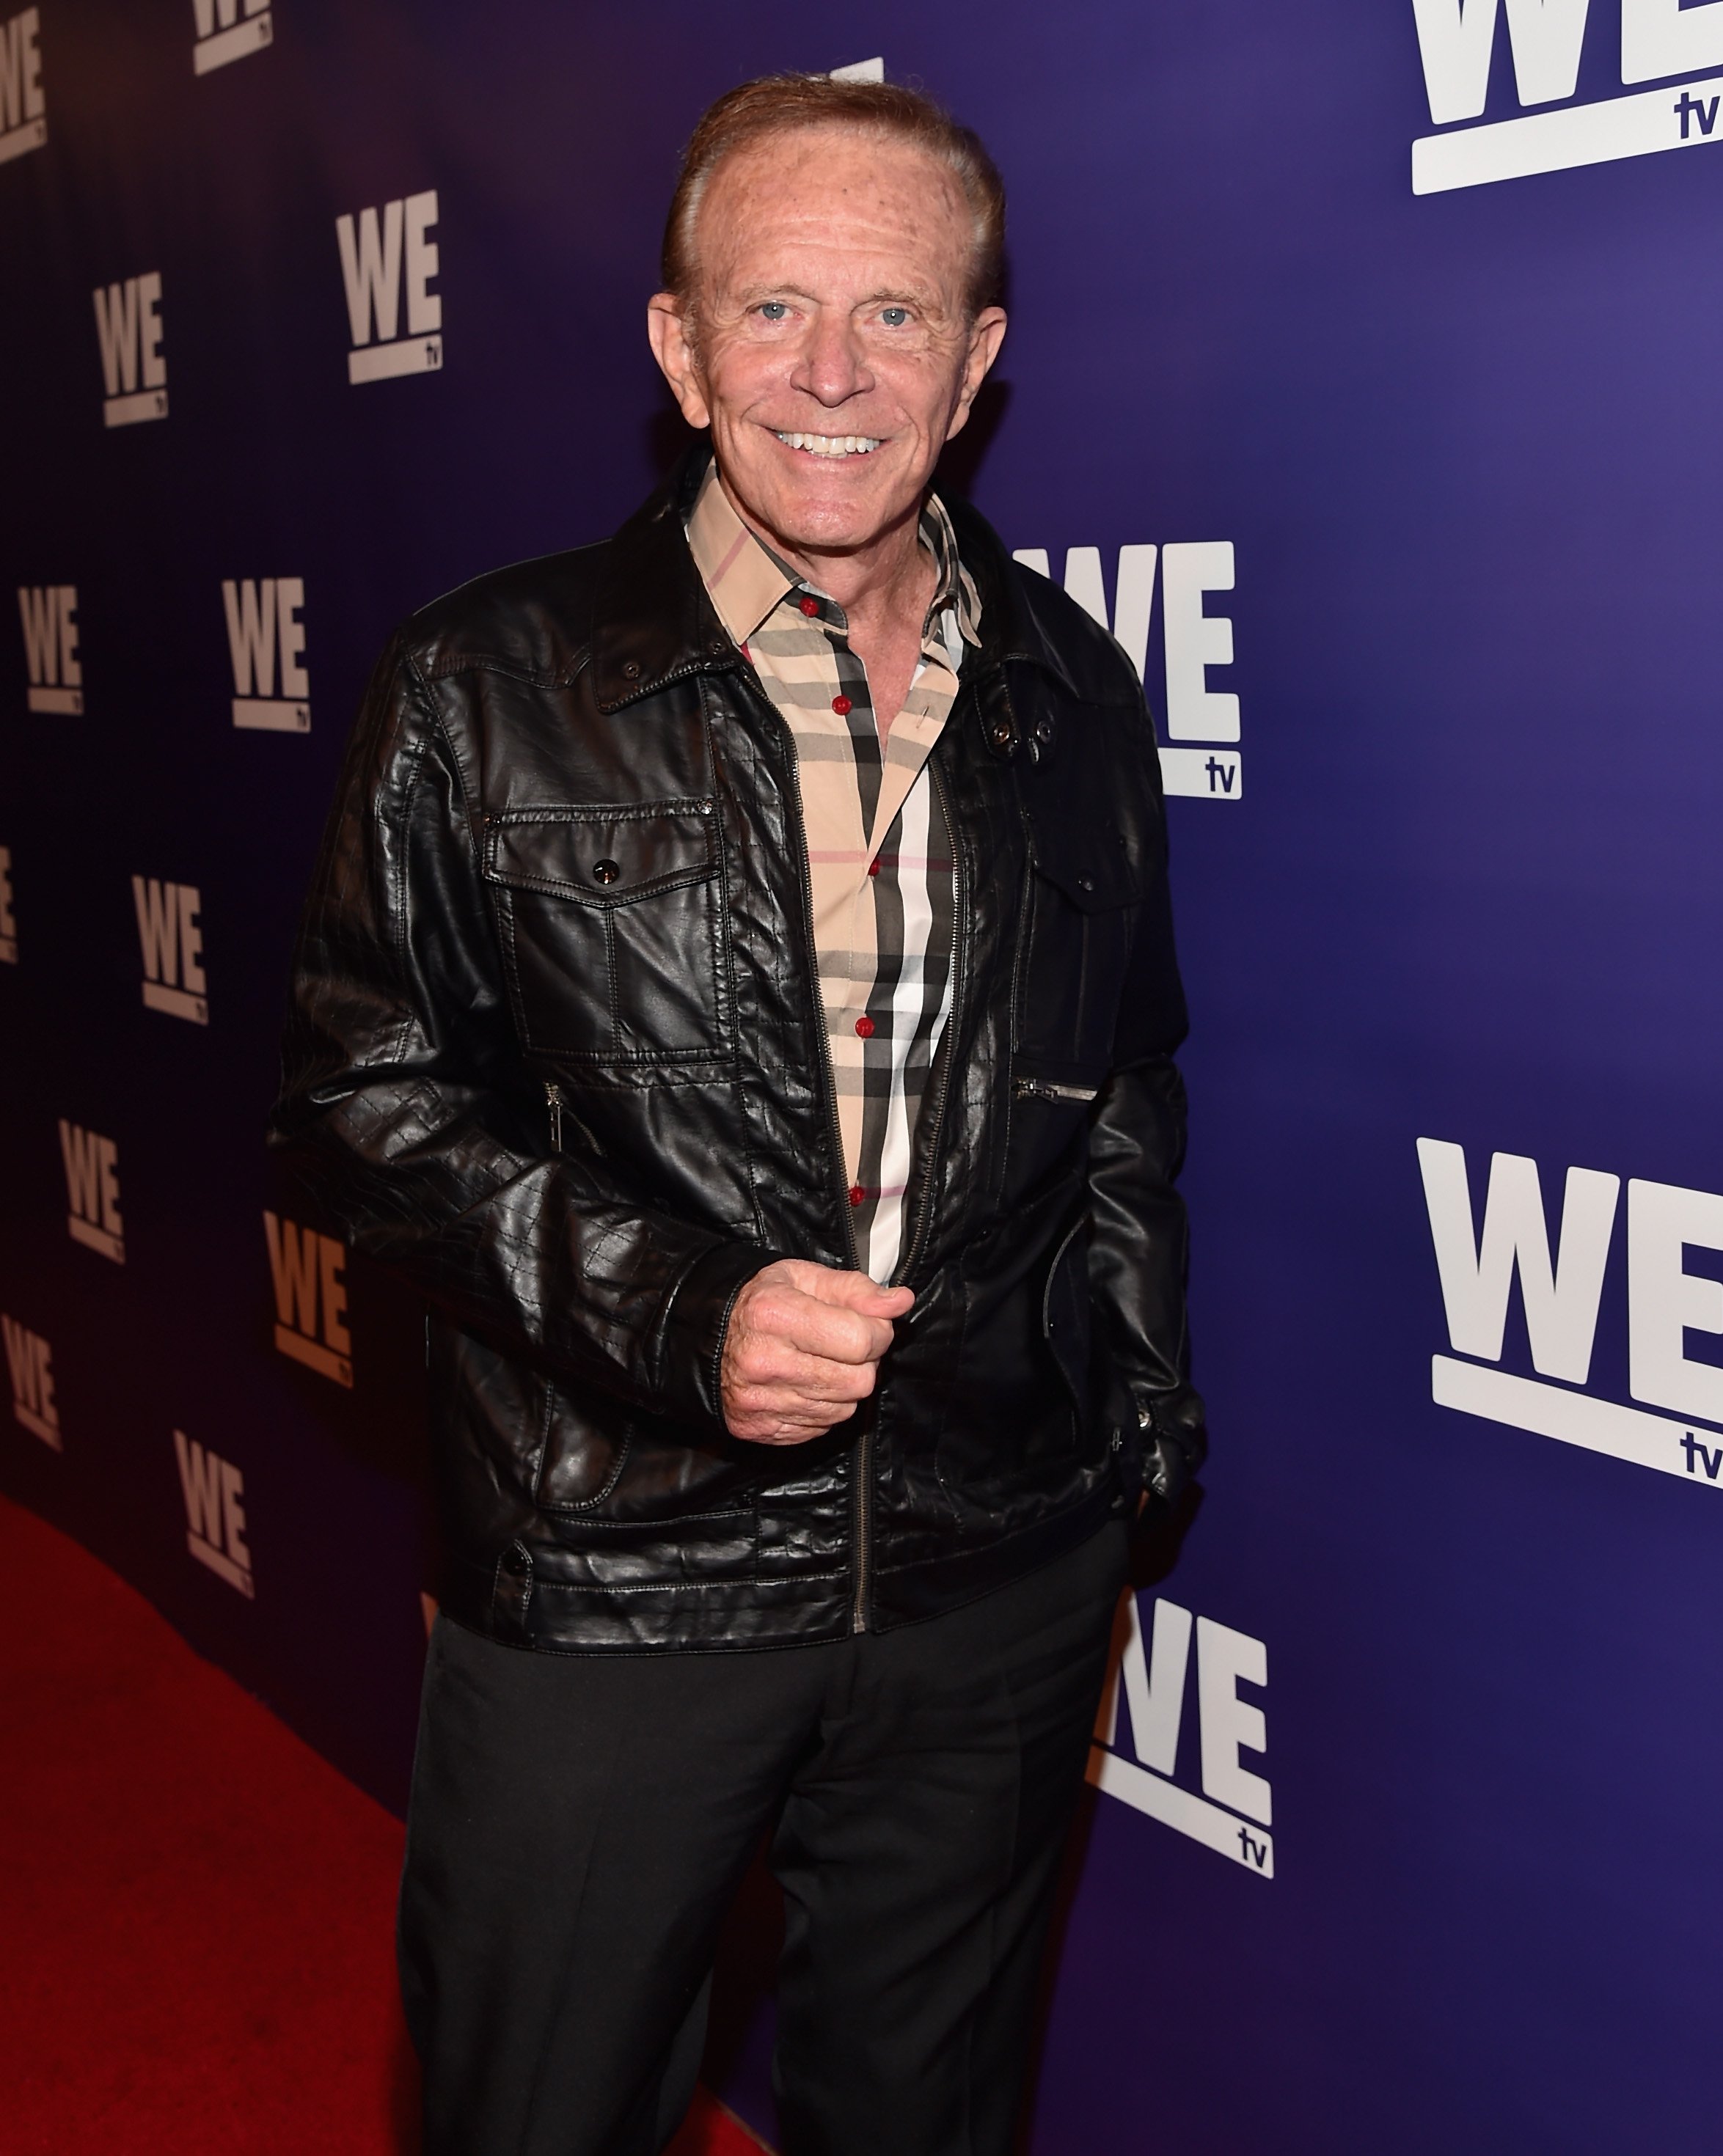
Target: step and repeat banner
1363	378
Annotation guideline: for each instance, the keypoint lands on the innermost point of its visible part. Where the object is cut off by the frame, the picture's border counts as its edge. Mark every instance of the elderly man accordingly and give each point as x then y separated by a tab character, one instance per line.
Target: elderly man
739	989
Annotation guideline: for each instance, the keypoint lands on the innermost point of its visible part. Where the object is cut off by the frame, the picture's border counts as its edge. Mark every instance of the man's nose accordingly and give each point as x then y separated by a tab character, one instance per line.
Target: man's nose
831	365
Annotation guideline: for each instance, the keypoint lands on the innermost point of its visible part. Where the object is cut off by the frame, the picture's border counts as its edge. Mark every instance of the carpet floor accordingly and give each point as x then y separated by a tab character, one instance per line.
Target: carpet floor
196	1909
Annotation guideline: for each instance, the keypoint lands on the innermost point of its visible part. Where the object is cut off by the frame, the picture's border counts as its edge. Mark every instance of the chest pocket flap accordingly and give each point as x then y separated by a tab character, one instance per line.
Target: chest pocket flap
1082	897
604	856
610	930
1089	866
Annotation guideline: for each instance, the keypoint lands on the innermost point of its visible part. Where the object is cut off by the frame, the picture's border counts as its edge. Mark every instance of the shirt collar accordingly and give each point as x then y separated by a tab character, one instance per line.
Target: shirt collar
746	580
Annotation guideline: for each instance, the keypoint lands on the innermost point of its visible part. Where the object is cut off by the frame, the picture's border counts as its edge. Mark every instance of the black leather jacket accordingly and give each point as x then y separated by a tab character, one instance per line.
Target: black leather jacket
579	1117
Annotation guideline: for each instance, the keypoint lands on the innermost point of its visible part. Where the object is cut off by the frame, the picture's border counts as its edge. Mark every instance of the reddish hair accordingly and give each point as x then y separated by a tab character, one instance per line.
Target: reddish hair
774	105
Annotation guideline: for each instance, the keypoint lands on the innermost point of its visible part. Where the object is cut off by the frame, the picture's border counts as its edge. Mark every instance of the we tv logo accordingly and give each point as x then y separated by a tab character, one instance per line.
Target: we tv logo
266	643
215	1516
305	1269
24	120
225	34
1192	641
1561	1280
29	1359
1656	41
92	1166
168	927
1151	1678
128	324
49	614
387	254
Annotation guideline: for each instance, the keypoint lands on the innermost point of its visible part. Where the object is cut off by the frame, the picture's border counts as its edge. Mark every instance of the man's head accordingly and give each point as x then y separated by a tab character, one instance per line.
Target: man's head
831	275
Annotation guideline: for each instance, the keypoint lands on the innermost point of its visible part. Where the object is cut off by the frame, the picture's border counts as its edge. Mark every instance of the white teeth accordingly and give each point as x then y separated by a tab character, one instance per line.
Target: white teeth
832	445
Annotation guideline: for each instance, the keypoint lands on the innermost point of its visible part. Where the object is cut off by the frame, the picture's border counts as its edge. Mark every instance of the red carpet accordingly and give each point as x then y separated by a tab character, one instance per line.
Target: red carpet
196	1909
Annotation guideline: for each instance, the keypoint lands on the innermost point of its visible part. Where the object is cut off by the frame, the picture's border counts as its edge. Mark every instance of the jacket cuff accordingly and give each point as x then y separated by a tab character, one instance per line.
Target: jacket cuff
1160	1440
692	1332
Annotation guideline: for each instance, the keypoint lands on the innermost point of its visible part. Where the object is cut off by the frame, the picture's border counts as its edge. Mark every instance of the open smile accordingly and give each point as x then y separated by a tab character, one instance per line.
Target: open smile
831	445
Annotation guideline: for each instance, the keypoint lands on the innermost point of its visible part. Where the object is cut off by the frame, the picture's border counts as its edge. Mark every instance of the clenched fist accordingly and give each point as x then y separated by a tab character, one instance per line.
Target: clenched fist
803	1346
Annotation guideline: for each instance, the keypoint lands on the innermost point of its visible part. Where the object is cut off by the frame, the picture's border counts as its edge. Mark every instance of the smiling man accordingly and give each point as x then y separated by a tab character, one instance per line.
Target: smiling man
739	989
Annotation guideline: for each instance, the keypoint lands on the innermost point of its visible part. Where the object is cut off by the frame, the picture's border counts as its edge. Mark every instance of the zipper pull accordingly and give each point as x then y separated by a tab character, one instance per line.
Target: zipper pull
553	1101
1044	1089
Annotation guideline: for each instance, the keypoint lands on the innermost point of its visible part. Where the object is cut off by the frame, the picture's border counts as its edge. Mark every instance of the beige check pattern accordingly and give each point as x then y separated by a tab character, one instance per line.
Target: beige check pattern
879	850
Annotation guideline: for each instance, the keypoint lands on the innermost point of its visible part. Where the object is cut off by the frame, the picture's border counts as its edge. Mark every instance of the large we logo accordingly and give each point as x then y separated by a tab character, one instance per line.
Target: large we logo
1192	641
1562	1280
387	253
266	643
305	1270
49	614
128	323
1150	1678
226	32
215	1518
24	120
92	1166
30	1362
168	927
1655	41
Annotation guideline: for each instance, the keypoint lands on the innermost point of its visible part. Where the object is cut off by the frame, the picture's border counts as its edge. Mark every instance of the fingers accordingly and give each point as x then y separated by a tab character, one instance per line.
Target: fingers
766	1361
765	1378
785	1314
803	1348
764	1418
852	1290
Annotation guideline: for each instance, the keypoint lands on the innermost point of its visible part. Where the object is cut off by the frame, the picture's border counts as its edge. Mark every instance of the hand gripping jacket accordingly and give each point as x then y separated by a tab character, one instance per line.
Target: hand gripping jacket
556	1056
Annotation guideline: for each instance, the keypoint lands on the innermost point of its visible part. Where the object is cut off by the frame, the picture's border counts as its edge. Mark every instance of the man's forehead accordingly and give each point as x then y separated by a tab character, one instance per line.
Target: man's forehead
846	153
799	205
804	181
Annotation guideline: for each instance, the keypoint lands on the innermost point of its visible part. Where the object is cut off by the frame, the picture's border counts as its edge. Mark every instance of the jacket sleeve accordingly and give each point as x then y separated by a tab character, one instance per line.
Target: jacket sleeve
1139	1241
403	1099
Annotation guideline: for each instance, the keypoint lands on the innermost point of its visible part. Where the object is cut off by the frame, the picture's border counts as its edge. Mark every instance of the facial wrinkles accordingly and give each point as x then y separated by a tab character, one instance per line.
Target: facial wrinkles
777	222
828	424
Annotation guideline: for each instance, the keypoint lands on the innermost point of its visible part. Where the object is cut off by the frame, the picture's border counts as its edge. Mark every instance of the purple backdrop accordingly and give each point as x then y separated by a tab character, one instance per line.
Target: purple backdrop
1401	1839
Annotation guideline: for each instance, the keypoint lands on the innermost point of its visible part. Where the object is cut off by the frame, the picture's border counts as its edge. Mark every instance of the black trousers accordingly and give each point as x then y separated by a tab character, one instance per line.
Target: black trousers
580	1825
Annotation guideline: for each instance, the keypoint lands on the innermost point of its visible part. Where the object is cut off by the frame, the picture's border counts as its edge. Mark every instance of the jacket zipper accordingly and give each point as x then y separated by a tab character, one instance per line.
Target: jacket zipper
553	1101
1044	1089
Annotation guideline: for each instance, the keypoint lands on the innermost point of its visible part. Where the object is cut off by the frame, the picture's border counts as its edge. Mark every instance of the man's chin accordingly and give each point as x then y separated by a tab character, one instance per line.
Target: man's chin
827	510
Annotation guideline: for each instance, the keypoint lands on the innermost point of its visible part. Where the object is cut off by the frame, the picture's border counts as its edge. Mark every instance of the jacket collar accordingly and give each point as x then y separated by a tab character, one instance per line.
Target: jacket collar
655	625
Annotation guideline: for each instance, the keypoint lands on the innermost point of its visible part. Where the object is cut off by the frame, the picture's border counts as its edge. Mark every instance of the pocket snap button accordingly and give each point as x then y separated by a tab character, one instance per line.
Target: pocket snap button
606	872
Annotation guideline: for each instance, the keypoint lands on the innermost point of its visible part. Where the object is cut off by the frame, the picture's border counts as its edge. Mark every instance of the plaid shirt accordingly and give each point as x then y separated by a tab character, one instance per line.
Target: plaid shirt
879	849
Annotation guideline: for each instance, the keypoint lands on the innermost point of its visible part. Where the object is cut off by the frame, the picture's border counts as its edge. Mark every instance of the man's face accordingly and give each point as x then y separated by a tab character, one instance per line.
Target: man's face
830	351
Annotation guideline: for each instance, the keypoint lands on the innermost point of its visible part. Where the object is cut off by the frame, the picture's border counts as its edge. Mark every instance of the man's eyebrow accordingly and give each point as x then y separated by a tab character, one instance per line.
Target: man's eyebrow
922	295
760	291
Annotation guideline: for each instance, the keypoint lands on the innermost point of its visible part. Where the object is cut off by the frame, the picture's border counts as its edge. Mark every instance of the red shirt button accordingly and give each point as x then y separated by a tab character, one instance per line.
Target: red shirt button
858	1196
873	867
841	706
864	1026
809	606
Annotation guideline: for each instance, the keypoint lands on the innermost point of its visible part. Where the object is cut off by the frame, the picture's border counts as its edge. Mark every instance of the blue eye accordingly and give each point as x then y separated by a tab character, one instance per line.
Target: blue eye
894	317
774	310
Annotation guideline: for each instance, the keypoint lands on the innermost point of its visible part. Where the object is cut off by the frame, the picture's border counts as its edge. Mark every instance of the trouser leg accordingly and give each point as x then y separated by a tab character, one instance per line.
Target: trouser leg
918	1851
579	1826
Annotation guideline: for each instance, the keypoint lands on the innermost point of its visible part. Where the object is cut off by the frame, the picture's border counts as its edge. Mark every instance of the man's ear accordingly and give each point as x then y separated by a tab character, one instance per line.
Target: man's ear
986	335
673	347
